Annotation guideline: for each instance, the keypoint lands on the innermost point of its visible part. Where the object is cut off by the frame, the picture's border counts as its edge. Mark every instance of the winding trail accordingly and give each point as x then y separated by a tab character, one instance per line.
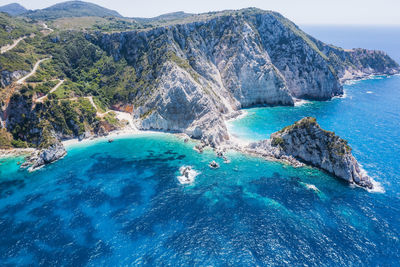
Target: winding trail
120	115
8	91
43	98
47	27
11	46
22	80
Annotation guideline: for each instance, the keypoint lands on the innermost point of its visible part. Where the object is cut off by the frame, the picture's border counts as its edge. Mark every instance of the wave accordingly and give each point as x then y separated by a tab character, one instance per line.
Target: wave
188	175
300	102
377	186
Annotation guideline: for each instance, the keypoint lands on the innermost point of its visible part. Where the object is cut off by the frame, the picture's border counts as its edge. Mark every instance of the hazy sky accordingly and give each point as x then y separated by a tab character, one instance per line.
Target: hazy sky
300	11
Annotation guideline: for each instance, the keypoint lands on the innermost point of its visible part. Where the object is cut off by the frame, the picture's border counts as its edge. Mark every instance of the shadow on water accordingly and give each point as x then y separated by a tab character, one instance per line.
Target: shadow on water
116	209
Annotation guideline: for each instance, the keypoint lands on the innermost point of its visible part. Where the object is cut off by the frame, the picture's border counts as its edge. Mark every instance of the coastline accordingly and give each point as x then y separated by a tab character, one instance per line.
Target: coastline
112	135
234	143
16	152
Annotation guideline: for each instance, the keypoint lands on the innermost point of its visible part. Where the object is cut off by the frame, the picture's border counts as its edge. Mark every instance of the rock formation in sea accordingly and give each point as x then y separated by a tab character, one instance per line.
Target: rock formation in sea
188	175
50	150
307	142
48	155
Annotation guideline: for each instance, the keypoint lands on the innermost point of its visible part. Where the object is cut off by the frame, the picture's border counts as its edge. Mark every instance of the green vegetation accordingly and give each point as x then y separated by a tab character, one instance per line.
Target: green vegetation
14	28
67	90
69	117
111	118
336	144
24	56
88	70
44	88
71	9
46	72
13	9
303	123
5	139
100	106
47	137
19	144
277	141
90	23
113	24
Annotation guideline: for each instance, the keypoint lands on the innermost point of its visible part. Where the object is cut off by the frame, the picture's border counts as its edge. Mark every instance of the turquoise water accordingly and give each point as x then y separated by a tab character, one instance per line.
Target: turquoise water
120	203
368	117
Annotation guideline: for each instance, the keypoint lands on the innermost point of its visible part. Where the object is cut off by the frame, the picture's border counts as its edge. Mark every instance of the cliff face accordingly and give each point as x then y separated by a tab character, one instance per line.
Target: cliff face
191	75
306	141
358	63
188	75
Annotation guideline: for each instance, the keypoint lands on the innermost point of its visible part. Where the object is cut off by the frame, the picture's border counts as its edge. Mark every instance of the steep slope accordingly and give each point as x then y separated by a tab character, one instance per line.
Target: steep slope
71	9
174	16
13	28
191	72
13	9
306	141
185	76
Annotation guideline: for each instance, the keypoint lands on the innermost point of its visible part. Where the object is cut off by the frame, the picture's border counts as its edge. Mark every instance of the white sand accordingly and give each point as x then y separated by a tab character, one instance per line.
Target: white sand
15	152
112	135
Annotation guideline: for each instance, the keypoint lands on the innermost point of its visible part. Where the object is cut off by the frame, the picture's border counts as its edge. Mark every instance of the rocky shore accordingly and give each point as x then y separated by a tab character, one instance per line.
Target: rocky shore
191	77
305	142
40	158
16	152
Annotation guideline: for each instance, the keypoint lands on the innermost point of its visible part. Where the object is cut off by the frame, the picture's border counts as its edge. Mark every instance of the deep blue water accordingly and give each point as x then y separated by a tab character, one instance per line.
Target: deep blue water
385	38
121	204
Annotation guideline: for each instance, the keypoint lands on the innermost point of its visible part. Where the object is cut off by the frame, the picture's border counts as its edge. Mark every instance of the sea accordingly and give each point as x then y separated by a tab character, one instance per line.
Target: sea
121	204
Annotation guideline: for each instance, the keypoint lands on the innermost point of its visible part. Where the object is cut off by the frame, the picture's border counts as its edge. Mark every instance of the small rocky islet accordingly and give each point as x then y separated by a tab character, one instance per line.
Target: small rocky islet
306	142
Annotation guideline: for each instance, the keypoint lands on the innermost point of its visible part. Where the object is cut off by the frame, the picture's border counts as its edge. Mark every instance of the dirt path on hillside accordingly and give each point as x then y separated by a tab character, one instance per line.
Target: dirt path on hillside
35	67
121	116
43	98
11	46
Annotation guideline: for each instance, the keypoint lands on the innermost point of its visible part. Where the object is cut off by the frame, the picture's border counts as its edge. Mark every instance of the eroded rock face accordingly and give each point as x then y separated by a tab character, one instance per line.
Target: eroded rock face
307	142
7	77
193	75
48	155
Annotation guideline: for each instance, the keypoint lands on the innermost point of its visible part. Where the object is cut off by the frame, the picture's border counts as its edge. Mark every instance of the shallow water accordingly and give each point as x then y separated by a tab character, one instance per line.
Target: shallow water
368	117
121	203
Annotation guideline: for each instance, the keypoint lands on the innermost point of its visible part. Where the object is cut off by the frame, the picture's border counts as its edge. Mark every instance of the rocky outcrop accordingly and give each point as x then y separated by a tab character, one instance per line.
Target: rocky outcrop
7	77
45	156
358	63
191	76
187	175
307	142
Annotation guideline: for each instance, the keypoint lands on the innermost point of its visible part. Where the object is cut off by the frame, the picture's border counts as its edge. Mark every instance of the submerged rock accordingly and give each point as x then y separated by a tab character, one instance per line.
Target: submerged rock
199	148
307	142
214	165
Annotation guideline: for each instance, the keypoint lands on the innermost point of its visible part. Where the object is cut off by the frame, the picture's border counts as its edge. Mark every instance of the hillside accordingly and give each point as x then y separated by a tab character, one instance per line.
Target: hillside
174	16
71	9
12	28
13	9
186	76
